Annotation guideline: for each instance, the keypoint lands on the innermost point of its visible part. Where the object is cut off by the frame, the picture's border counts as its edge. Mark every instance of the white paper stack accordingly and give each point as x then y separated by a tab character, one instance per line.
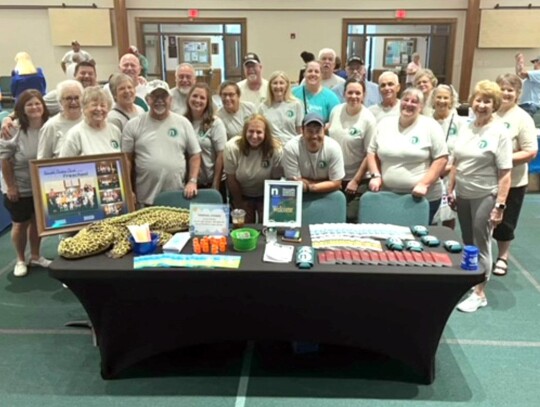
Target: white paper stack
176	243
278	253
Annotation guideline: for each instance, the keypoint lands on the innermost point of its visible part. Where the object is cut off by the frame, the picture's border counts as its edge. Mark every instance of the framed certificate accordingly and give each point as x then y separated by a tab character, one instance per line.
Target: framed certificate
282	204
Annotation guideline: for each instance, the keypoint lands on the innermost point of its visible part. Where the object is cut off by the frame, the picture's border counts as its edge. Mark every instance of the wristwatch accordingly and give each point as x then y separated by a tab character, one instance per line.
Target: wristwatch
193	180
375	175
500	206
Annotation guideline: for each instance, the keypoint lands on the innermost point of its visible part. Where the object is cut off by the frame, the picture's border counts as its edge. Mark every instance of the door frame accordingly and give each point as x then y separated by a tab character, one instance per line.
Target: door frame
452	22
139	21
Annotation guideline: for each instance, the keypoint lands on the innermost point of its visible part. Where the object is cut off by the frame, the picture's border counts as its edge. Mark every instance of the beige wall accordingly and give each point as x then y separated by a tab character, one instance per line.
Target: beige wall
29	31
316	23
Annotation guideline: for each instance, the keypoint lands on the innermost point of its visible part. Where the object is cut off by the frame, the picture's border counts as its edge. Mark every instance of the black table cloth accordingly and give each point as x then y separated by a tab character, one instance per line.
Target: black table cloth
396	311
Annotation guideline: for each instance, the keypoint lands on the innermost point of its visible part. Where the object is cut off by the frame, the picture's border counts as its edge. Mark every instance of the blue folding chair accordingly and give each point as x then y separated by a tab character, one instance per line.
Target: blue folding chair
394	209
178	200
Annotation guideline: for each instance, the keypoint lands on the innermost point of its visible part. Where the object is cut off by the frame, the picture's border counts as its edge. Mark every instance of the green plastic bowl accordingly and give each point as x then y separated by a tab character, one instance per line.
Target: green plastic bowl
245	239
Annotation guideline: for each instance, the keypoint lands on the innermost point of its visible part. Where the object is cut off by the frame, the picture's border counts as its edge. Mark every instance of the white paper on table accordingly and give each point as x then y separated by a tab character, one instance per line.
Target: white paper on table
140	233
278	253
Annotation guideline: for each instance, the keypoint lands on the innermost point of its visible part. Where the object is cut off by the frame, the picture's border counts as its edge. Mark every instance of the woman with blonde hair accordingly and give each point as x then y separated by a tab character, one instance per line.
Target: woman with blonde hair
480	177
26	76
281	108
425	80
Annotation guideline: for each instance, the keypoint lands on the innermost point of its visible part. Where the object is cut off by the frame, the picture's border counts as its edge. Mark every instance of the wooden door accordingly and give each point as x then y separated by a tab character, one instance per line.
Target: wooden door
233	57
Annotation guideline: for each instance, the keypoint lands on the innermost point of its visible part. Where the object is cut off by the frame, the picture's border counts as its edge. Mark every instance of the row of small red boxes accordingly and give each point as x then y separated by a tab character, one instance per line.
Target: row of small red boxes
210	244
385	258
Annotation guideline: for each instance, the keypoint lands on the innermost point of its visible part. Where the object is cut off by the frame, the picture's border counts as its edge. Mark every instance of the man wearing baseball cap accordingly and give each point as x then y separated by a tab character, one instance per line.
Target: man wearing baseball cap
530	95
254	88
157	143
313	158
356	70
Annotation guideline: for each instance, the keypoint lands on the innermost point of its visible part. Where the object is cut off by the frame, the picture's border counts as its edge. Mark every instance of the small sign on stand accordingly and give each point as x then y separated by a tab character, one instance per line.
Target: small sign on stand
209	220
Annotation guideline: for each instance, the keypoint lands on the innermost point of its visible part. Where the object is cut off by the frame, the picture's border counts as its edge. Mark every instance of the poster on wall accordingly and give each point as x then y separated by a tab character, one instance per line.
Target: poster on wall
195	51
70	193
398	51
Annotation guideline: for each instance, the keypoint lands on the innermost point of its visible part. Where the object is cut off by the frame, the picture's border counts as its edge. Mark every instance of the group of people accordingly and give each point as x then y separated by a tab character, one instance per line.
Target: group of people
328	132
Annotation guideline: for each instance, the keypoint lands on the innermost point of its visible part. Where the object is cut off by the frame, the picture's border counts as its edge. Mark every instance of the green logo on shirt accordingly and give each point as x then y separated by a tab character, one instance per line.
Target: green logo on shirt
290	113
354	132
414	140
172	132
483	144
507	125
322	164
453	130
115	145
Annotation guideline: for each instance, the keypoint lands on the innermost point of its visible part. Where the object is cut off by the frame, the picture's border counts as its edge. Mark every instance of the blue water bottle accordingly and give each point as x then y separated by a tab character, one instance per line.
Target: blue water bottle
469	260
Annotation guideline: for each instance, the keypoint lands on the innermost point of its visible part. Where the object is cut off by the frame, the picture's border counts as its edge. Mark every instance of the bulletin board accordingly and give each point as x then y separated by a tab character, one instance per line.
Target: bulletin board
195	51
509	29
91	27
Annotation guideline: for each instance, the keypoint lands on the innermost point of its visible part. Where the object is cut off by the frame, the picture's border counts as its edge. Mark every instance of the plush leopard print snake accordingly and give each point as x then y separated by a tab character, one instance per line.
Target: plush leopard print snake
100	236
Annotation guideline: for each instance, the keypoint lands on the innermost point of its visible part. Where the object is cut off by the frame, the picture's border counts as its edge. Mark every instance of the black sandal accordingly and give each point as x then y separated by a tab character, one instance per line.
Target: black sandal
500	269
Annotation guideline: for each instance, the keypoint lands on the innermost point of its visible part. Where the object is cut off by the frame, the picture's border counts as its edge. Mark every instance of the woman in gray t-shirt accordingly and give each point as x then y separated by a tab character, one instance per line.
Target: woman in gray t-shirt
31	113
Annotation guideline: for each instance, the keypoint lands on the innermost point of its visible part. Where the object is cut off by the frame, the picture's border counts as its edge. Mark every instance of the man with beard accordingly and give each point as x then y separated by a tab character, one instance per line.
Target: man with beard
313	158
185	79
389	89
356	70
327	58
254	88
157	143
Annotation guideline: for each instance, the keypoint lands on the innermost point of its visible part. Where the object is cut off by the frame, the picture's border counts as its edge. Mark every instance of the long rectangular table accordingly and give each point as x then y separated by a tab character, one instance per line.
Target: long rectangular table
396	311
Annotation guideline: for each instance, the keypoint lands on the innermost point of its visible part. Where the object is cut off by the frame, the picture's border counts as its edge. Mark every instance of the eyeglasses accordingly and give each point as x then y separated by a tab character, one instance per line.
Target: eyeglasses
71	98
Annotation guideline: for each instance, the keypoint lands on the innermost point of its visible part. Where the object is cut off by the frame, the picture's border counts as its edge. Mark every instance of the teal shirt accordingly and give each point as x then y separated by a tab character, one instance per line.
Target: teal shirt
322	103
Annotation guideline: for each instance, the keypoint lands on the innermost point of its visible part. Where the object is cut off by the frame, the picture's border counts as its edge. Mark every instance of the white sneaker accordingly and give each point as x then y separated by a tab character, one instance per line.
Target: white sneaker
20	269
41	262
472	303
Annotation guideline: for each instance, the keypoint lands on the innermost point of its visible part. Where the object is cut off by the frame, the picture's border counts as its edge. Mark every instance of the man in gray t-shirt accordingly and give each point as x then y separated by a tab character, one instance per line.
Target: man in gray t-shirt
313	158
157	143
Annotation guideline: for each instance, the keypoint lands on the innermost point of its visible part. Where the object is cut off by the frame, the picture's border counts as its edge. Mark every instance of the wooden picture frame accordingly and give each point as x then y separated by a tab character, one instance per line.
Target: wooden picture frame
395	49
70	193
195	51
